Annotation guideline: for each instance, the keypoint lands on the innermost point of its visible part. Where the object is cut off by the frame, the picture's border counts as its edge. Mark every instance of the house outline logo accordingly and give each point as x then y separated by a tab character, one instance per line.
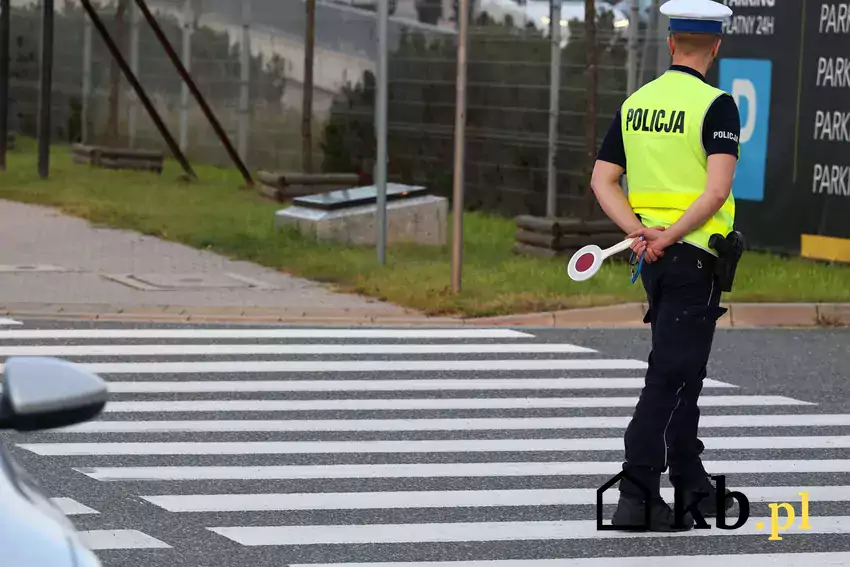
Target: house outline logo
722	497
646	496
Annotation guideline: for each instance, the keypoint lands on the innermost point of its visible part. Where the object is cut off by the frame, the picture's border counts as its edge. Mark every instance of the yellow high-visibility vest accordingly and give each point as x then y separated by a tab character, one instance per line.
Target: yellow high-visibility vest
665	159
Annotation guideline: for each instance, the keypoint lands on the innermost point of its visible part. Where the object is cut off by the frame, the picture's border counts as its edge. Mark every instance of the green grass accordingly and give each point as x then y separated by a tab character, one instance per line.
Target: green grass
214	213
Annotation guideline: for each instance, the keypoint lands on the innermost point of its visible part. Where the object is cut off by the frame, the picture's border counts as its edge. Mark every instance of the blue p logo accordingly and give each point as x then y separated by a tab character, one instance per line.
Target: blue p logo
748	81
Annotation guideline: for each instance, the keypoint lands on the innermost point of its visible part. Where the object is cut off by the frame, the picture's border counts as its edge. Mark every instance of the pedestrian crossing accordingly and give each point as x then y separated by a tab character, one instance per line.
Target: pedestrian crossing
410	448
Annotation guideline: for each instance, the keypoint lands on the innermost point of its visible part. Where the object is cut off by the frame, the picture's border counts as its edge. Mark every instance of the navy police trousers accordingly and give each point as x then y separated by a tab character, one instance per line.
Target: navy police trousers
684	305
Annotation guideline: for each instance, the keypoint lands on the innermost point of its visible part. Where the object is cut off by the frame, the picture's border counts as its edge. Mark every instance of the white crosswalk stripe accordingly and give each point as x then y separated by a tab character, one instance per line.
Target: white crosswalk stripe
827	559
289	366
435	470
99	540
243	349
397	447
424	424
71	507
449	498
418	443
387	385
114	334
479	531
423	404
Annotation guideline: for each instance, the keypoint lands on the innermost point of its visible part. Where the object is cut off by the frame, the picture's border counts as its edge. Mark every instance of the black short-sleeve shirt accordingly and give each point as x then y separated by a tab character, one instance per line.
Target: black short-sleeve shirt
722	117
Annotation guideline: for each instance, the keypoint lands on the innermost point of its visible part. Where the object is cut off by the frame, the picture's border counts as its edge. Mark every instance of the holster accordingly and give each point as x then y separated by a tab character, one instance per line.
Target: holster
729	251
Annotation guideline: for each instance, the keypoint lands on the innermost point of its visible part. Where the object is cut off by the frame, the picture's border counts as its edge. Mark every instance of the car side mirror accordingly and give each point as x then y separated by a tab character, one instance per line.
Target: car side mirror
46	393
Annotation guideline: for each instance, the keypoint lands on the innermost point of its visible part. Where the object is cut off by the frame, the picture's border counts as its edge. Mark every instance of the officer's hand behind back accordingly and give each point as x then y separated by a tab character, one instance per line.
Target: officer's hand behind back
649	239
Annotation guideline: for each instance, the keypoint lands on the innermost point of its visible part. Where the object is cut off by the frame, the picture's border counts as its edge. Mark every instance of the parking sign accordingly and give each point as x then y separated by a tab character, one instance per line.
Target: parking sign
748	81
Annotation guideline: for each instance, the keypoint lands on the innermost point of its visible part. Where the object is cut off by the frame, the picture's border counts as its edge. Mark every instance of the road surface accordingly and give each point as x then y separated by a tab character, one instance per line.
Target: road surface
271	446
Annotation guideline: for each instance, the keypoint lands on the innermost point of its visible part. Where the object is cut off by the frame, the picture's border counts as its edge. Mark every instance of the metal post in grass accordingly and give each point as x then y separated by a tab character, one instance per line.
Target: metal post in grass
381	131
134	66
87	54
245	81
307	98
460	131
4	80
554	107
632	61
186	37
45	88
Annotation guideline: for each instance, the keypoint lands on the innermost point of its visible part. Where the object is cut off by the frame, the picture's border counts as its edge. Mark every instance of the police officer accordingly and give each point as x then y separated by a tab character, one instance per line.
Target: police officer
676	139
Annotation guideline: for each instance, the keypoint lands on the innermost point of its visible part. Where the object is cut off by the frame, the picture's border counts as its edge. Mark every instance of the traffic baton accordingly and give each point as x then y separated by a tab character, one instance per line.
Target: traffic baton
586	262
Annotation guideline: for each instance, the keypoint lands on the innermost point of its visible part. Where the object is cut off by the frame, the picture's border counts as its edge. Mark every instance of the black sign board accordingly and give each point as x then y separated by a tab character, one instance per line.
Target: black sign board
359	196
787	63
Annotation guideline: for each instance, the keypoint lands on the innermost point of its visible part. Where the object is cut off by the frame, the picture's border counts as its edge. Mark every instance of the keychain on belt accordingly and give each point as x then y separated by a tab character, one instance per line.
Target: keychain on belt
636	271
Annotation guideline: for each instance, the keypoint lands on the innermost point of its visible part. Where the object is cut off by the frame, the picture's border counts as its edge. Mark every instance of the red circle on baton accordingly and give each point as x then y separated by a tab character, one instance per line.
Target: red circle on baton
585	262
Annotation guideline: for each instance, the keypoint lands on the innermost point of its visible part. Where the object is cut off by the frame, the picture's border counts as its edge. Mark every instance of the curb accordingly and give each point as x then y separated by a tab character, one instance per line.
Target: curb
628	315
739	315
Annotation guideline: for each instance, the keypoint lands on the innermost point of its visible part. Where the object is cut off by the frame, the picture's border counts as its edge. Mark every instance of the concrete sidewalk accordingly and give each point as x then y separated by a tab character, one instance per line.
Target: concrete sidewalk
56	266
51	263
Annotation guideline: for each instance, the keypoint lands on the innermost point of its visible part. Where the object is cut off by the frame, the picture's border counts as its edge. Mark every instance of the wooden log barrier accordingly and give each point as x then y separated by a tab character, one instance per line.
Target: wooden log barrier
550	238
283	186
118	158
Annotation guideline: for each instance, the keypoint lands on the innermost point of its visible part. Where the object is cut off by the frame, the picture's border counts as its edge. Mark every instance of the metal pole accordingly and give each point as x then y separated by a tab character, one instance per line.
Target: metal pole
187	62
650	44
245	80
592	94
86	80
634	25
134	65
662	60
554	108
381	130
307	101
460	130
4	80
131	78
45	88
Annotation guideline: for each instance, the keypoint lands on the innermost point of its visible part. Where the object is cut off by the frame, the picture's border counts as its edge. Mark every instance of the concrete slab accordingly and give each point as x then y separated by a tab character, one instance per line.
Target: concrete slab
419	220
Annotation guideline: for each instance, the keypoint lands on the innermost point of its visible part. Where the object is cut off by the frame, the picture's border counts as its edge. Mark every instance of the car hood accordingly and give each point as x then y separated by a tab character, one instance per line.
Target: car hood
32	530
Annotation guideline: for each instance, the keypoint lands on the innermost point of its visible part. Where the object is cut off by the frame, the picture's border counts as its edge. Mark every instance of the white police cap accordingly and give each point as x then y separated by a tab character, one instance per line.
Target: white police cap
696	16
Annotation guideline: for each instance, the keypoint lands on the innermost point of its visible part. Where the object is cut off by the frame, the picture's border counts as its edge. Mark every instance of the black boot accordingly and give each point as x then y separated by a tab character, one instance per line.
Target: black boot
631	515
693	490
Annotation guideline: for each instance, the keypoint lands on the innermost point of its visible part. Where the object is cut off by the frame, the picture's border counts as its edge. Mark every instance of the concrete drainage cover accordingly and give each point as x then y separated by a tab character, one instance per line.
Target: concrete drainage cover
23	268
170	282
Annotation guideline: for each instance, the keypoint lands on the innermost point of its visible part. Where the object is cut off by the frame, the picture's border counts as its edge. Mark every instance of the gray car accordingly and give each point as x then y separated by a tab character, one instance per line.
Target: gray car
39	394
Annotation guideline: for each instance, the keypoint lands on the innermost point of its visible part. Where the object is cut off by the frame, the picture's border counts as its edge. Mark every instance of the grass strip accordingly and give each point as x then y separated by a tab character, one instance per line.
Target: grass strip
214	214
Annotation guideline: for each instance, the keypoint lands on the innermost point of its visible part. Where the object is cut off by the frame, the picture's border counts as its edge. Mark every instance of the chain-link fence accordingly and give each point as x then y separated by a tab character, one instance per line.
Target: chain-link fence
260	104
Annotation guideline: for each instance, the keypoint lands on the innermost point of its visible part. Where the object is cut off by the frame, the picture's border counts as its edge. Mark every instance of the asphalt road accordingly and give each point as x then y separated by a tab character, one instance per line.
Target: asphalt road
321	459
